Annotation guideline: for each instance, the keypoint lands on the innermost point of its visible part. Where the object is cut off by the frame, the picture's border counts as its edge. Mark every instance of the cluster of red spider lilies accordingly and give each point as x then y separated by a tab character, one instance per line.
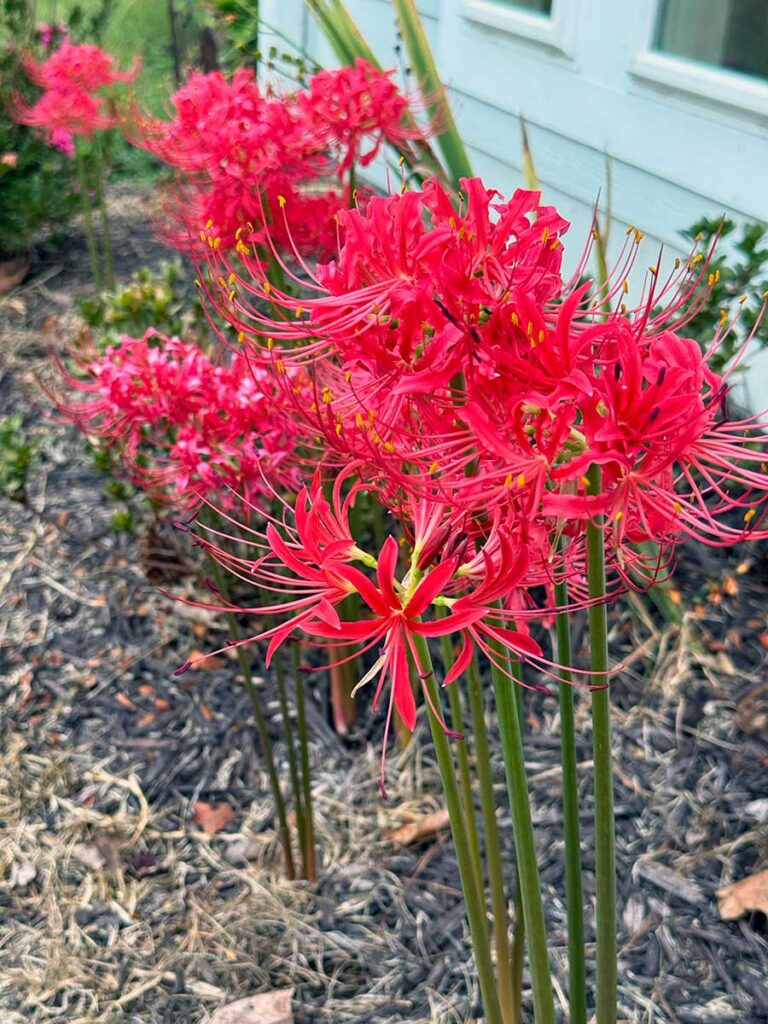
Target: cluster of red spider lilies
413	428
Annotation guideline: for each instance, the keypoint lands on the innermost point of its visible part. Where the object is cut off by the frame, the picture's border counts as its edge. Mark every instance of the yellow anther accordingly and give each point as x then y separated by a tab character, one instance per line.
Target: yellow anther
266	287
521	480
348	378
639	236
327	395
241	338
542	335
653	270
625	287
281	201
232	277
508	480
630	229
584	480
222	282
232	295
545	236
299	311
198	283
209	223
697	259
388	446
202	236
434	467
280	365
677	263
216	242
749	515
677	507
619	515
723	316
743	299
514	319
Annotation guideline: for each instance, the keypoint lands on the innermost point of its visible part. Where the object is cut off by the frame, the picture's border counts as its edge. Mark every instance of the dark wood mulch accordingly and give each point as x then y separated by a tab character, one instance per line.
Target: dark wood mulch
115	906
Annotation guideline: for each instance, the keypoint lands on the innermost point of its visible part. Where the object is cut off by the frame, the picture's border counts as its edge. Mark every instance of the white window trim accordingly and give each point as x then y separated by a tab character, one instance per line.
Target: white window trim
714	86
553	31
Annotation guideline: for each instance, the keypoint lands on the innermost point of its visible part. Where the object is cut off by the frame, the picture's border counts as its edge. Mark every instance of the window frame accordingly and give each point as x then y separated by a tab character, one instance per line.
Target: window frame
707	84
554	31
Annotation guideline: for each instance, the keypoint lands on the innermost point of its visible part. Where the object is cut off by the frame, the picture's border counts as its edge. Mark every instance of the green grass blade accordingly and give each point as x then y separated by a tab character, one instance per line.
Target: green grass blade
441	116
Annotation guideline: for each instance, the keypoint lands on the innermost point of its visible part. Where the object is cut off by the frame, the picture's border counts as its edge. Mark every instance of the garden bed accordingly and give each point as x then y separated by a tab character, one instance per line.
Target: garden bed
116	906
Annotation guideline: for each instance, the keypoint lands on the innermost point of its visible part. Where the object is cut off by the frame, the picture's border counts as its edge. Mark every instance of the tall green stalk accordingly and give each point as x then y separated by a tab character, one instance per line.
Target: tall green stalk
525	845
605	843
261	727
462	758
85	202
473	897
290	744
509	998
574	899
309	856
102	204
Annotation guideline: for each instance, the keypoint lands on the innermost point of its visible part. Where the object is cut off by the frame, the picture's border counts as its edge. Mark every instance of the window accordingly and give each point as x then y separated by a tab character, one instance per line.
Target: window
731	34
537	6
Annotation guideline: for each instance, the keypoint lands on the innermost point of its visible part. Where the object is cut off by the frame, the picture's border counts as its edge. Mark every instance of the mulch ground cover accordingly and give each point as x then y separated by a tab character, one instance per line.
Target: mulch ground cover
116	906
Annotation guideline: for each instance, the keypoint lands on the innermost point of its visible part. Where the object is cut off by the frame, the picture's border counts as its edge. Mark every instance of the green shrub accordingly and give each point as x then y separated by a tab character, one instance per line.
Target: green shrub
739	277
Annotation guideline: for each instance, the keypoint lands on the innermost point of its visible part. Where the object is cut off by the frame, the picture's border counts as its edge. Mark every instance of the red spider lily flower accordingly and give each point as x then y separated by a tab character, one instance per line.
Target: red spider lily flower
352	106
249	159
182	426
63	113
80	65
316	563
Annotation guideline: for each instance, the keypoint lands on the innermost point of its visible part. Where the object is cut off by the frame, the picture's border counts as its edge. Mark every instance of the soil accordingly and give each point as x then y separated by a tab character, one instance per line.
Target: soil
115	906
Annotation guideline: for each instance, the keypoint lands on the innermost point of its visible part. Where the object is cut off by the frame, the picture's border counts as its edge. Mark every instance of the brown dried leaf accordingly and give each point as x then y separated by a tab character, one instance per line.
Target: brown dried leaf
212	817
423	827
730	586
267	1008
742	897
202	660
752	711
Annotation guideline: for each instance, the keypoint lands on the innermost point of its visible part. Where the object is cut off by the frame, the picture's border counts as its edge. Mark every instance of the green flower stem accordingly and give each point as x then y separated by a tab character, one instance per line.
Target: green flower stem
473	897
517	962
462	758
102	203
261	726
605	843
85	202
290	743
309	856
574	899
508	999
525	845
